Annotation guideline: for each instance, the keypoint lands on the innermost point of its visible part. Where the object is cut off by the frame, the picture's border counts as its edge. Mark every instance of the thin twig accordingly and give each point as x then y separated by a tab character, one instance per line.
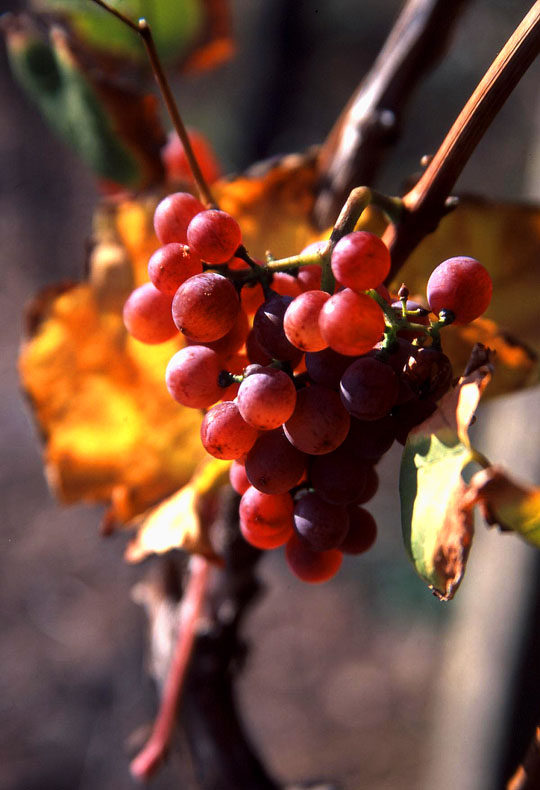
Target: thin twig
152	754
143	29
427	202
369	123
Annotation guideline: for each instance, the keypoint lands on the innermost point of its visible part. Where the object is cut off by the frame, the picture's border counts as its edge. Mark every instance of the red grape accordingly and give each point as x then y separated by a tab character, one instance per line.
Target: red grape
205	307
147	315
266	520
461	285
362	531
238	477
171	265
176	162
192	377
311	566
327	367
267	398
369	388
173	215
273	465
370	488
338	476
224	434
301	321
285	284
323	525
269	332
215	235
319	422
360	260
351	323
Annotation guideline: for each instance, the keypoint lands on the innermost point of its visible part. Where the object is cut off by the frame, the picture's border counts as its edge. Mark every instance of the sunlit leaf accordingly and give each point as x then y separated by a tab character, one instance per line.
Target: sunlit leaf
183	520
113	434
437	529
194	32
113	128
510	504
273	205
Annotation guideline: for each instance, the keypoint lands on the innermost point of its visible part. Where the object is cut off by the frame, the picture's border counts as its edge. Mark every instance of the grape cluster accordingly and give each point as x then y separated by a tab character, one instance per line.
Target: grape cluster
304	389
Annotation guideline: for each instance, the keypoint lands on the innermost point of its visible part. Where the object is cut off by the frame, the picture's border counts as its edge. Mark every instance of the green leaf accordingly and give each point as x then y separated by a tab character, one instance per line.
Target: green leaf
115	130
437	527
175	24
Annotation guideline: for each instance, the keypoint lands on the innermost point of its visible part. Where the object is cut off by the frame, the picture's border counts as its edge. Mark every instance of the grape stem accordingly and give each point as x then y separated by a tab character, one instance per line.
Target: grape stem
426	204
143	29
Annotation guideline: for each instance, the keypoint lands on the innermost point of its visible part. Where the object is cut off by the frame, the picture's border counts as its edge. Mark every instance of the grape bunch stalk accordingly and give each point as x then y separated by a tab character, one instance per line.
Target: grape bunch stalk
307	368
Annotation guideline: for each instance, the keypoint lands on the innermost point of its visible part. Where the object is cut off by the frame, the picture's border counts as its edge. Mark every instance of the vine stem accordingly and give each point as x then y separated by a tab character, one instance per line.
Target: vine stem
427	202
152	754
142	28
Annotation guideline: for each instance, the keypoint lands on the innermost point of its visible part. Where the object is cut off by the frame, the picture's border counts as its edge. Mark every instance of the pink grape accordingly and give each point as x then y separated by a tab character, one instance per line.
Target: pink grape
215	235
311	566
171	265
192	377
323	525
301	321
147	315
267	398
224	434
461	285
173	215
319	423
360	260
205	307
351	323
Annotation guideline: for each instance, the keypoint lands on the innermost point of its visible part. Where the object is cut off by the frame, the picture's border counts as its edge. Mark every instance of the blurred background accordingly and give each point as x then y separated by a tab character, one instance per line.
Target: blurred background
367	680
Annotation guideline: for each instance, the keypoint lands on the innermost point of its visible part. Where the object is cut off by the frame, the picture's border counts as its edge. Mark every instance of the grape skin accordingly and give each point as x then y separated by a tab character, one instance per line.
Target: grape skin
351	323
321	524
360	260
147	315
273	465
311	566
173	215
319	422
266	520
192	377
224	434
205	307
362	531
369	389
215	235
301	321
461	285
171	265
267	399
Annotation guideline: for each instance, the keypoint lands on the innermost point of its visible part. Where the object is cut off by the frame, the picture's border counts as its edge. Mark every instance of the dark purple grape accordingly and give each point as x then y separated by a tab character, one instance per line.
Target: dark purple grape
369	388
273	465
319	423
362	531
326	367
269	333
321	524
338	476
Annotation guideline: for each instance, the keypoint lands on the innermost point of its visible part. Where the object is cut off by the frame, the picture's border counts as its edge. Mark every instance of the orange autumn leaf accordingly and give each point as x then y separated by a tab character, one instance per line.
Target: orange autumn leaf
112	432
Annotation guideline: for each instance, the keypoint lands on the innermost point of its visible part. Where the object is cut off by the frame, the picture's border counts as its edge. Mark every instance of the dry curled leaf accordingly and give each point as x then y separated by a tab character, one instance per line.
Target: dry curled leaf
437	528
510	504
